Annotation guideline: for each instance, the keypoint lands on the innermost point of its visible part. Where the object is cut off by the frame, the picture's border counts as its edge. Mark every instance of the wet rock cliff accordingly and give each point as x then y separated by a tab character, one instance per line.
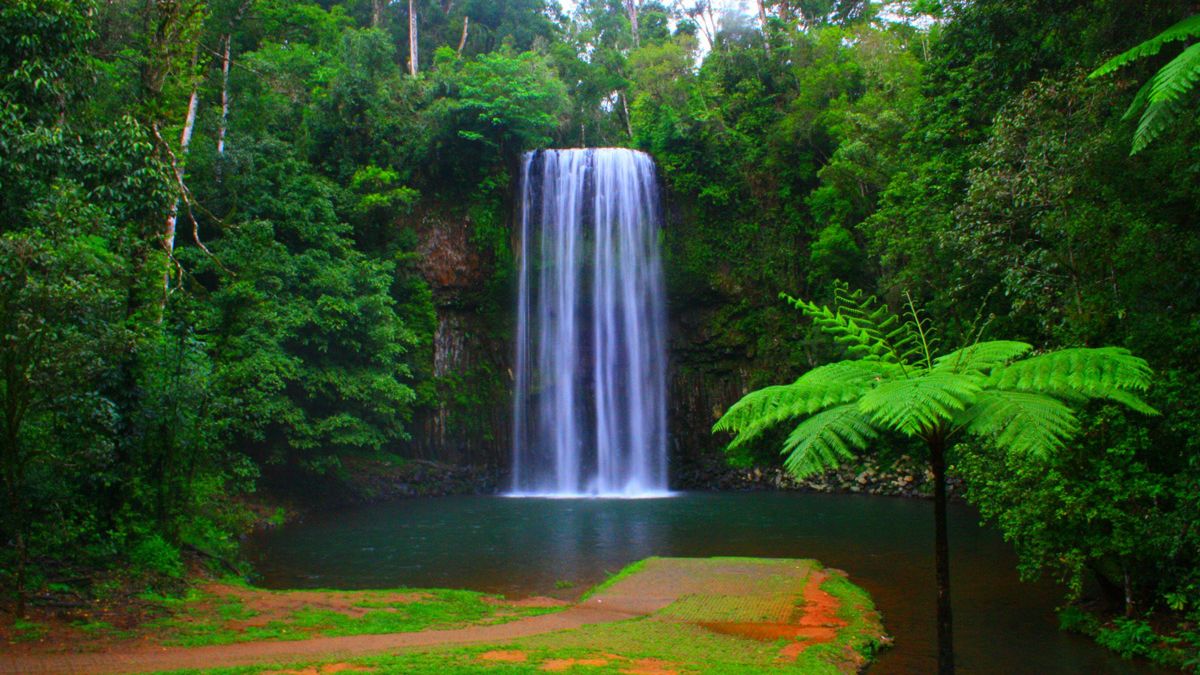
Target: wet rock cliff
466	417
715	351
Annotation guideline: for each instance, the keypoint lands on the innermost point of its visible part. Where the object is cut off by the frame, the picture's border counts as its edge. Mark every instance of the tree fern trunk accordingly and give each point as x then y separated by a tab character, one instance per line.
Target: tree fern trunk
941	554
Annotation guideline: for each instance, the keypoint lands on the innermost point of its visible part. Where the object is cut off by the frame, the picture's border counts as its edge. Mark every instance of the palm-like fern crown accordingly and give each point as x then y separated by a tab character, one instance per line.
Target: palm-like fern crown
1161	98
898	382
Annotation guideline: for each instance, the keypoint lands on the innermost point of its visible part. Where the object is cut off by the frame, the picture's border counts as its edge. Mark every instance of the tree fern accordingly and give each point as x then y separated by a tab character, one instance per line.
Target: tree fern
863	325
1160	99
1168	88
898	383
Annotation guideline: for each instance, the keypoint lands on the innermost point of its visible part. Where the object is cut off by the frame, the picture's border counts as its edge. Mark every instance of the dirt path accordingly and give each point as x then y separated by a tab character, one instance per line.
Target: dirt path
737	596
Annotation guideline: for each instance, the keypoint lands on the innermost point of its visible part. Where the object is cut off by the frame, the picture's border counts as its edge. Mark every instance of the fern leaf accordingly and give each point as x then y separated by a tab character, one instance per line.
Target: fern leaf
1167	89
824	440
1178	77
1024	422
866	328
981	357
1105	372
1183	30
1155	120
816	390
1133	402
1139	100
916	405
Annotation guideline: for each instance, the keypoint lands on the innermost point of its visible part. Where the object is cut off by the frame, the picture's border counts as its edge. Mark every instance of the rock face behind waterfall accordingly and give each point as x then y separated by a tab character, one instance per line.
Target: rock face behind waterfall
589	411
467	424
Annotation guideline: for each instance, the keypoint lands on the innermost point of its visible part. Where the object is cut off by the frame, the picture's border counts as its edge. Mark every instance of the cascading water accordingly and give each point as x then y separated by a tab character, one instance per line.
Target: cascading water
589	413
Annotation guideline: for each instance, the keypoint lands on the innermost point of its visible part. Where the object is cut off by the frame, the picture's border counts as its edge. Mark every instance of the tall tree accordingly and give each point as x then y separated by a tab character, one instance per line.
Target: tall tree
412	37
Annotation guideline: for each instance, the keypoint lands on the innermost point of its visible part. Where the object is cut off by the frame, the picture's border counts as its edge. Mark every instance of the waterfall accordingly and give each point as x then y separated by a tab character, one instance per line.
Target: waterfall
589	411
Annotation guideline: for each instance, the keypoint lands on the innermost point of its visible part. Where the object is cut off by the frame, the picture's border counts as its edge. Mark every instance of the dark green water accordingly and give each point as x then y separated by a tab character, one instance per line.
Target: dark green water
522	547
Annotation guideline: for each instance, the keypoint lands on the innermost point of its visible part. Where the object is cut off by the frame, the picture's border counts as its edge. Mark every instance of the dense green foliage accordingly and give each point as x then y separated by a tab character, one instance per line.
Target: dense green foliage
900	382
199	298
1165	92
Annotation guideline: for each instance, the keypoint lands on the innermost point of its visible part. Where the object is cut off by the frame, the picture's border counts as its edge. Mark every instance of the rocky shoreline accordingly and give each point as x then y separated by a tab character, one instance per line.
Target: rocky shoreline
902	478
365	480
370	481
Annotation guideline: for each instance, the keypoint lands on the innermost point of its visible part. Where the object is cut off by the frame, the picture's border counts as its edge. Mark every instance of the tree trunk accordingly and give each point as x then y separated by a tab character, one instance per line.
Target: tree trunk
632	10
225	54
628	120
223	126
762	20
226	62
941	555
185	139
13	478
462	42
377	12
412	38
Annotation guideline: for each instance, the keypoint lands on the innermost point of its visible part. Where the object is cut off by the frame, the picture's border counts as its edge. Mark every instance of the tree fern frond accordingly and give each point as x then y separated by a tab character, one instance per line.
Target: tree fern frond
916	405
824	440
1140	99
981	357
1178	77
1105	372
1156	119
1021	421
1183	30
1133	402
816	390
857	340
1167	89
864	326
922	329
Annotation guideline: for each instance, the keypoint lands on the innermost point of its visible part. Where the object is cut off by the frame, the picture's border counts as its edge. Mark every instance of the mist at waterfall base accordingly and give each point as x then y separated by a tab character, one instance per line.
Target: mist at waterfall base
589	403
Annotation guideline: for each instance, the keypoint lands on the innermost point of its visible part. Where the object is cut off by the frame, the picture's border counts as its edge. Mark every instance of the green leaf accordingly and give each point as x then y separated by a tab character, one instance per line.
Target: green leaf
981	357
918	405
816	390
1080	373
1021	421
863	325
1167	90
1183	30
824	440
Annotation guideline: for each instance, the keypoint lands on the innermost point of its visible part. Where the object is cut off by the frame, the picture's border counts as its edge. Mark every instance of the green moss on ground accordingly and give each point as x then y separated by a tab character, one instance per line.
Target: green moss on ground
658	641
208	618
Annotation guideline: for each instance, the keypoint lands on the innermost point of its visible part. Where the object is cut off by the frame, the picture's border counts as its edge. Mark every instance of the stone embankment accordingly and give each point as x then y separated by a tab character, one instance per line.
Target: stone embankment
903	478
375	480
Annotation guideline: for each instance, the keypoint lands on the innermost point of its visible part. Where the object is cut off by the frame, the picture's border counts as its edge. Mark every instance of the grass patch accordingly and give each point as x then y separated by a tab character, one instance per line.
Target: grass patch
863	632
215	619
102	629
25	630
629	570
450	661
657	641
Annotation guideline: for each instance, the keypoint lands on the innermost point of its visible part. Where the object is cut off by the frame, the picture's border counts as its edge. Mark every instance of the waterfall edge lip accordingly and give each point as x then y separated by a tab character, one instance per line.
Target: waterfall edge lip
621	496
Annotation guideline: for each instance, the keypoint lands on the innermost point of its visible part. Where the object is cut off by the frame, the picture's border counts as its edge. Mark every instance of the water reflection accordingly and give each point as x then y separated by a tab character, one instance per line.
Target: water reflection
524	546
